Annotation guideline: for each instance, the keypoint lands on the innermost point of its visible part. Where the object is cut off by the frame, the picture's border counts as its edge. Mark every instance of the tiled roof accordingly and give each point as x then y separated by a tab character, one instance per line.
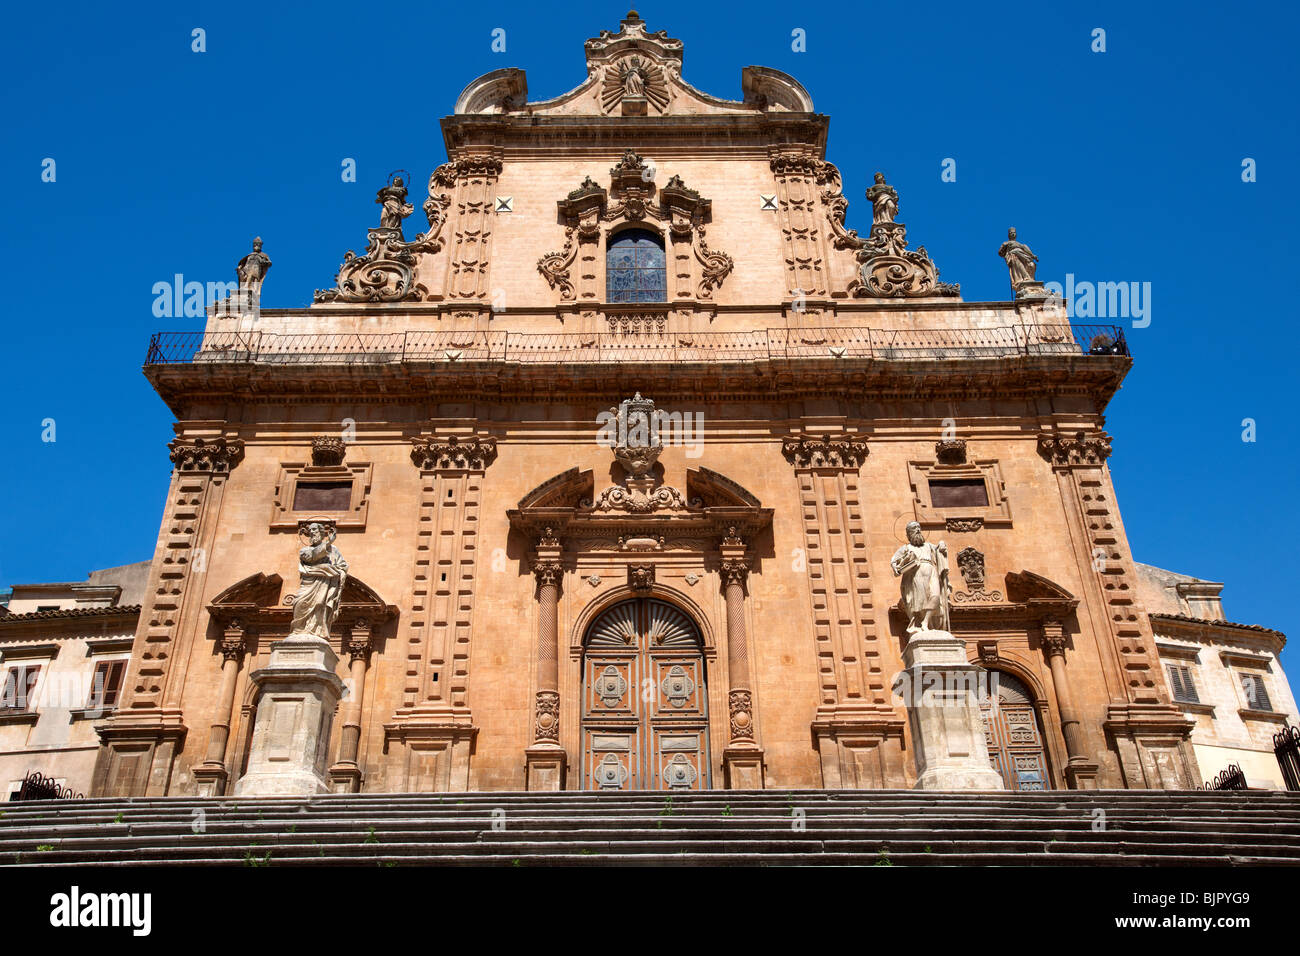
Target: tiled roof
1186	619
122	609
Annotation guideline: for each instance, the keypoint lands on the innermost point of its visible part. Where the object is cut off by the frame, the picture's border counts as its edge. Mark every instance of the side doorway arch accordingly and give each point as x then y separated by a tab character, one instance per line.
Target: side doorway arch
645	721
1014	734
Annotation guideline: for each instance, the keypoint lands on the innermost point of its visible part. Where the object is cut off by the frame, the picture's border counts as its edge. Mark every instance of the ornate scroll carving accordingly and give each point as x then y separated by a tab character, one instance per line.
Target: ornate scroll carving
546	725
888	268
554	266
453	453
716	265
837	207
733	571
740	705
384	274
971	563
825	452
215	455
435	208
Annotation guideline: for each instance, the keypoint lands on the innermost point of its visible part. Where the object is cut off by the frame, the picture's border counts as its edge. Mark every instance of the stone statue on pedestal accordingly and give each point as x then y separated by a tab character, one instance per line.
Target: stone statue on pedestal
252	269
1021	262
393	198
925	585
323	572
884	201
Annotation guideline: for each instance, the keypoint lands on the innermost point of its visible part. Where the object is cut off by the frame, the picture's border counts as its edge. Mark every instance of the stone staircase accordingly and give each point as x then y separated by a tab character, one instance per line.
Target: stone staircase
730	828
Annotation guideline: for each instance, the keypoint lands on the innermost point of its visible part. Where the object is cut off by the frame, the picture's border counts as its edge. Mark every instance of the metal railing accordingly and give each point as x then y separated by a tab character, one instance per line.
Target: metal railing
272	348
36	786
1230	778
1286	747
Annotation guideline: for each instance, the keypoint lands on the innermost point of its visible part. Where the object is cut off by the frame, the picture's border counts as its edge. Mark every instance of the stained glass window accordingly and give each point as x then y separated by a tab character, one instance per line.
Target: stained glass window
635	268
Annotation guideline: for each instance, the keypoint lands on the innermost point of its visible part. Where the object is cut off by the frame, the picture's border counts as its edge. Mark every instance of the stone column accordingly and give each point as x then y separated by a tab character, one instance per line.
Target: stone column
742	761
545	758
1080	771
345	774
211	776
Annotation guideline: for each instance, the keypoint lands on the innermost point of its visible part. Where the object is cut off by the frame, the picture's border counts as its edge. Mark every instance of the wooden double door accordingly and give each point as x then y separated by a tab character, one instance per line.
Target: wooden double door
1014	738
645	704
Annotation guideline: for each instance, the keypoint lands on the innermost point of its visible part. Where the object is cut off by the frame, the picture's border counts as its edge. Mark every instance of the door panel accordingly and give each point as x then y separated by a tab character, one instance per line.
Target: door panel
645	701
1013	736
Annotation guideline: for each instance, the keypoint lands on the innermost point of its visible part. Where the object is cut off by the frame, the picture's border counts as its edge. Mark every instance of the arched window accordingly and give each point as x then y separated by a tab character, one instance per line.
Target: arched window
635	268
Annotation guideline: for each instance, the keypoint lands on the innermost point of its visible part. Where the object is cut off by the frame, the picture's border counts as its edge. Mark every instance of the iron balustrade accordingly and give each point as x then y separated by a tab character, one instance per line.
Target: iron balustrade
1286	747
273	348
1231	778
36	786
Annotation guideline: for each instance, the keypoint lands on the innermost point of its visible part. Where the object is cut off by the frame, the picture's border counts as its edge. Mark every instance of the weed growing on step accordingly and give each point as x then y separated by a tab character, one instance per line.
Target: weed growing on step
370	836
667	811
726	811
251	860
516	862
883	859
43	847
118	818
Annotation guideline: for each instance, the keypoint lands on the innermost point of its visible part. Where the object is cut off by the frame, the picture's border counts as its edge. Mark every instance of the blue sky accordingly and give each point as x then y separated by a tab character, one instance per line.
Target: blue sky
1116	166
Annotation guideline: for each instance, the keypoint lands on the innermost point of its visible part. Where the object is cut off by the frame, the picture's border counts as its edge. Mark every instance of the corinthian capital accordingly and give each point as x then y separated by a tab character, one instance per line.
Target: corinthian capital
1080	449
825	451
214	455
453	453
547	572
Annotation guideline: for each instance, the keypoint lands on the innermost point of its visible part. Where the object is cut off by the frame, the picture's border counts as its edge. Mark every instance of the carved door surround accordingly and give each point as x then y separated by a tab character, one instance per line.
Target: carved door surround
592	214
245	619
662	543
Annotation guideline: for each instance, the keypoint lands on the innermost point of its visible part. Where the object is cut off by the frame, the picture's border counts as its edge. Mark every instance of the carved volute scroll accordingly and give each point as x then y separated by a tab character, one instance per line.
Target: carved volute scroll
888	269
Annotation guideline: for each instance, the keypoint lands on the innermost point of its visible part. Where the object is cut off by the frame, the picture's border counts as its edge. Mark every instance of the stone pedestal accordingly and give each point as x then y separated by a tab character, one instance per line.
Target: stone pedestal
298	693
546	765
940	688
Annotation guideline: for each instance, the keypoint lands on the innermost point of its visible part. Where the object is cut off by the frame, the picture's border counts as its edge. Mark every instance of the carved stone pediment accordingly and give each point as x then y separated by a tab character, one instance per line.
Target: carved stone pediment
255	604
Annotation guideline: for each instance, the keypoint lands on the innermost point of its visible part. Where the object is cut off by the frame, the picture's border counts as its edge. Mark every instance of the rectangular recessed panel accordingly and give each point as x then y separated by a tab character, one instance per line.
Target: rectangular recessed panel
322	496
958	493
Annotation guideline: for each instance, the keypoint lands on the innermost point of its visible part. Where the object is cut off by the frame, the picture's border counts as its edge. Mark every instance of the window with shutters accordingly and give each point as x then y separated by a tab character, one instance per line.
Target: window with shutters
1256	692
106	685
19	691
1182	685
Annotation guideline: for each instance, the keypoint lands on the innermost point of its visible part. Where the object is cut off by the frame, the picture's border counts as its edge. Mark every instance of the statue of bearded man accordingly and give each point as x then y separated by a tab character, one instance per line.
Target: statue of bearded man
323	572
925	585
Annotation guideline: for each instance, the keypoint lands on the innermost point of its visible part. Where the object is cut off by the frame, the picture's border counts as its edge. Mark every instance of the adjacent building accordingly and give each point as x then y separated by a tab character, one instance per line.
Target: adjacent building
64	650
1226	676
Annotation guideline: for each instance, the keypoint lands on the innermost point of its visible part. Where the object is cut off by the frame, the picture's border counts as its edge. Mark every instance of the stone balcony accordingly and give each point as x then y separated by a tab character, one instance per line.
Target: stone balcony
825	359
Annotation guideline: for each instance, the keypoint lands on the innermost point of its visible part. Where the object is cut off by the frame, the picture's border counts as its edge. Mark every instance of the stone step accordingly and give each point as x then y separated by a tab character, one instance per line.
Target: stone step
725	828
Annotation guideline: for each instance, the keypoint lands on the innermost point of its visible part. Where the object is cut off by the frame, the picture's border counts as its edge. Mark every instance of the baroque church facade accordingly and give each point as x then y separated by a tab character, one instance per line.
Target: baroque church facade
618	450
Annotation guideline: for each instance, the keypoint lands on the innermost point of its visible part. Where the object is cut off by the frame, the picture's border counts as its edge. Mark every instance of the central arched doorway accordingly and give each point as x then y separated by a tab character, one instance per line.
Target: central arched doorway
645	720
1014	737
